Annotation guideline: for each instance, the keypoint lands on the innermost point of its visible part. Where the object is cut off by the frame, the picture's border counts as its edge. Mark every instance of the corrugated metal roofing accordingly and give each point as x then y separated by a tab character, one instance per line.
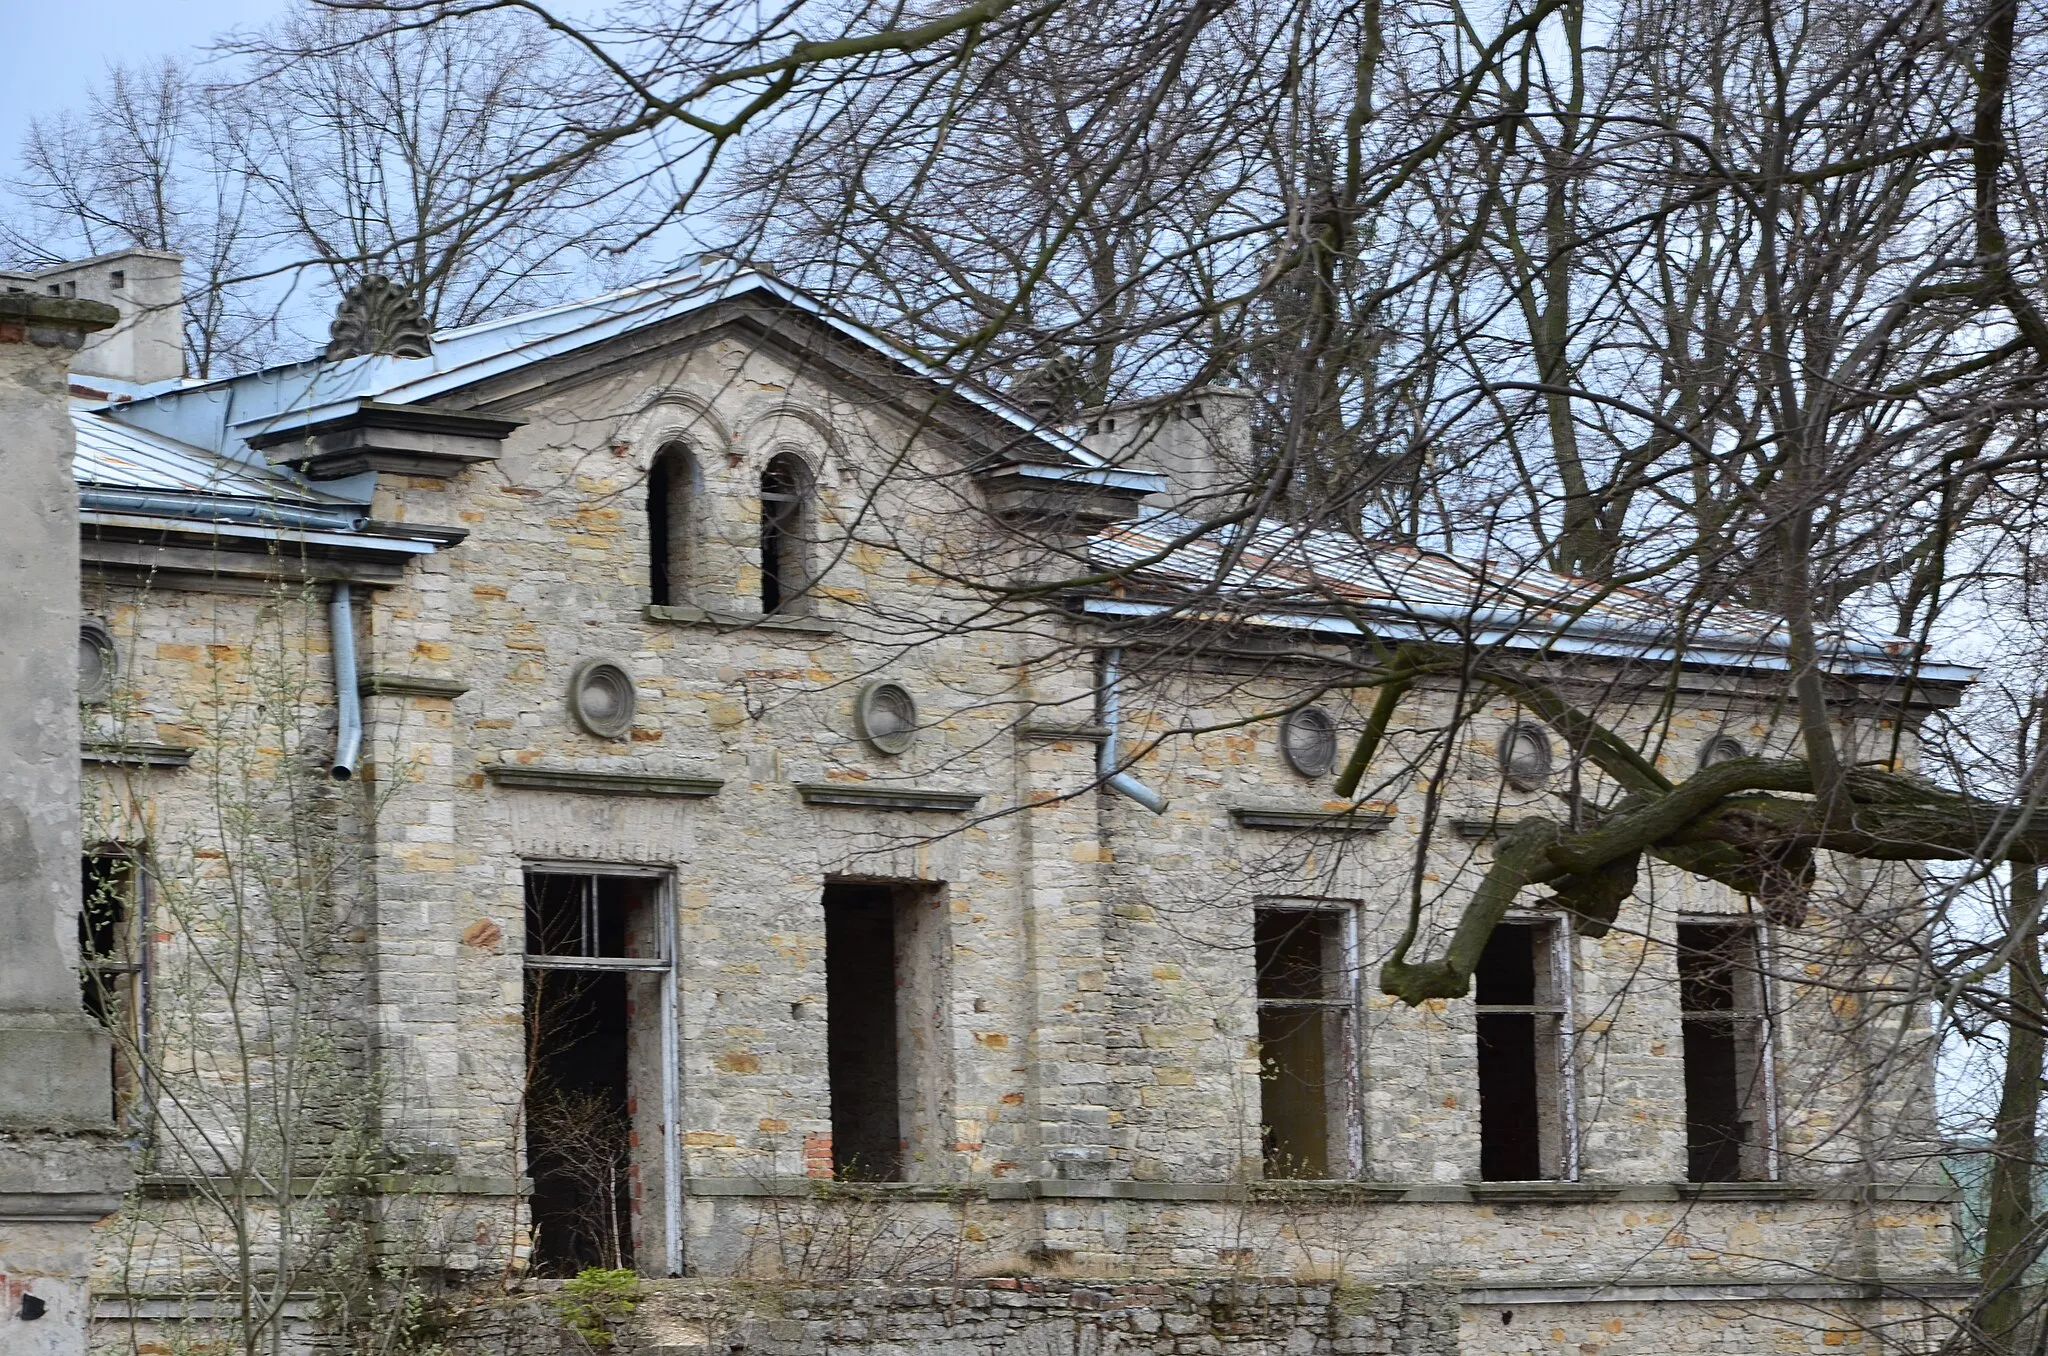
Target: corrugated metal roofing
1279	575
113	455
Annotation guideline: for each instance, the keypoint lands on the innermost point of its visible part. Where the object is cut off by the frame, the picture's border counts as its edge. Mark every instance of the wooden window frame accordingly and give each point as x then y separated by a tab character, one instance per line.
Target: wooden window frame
1349	1147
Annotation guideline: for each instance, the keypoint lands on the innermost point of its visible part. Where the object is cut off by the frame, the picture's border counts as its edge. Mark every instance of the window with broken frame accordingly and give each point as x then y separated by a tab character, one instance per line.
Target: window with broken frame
602	1054
113	970
1307	998
1725	1029
1522	1000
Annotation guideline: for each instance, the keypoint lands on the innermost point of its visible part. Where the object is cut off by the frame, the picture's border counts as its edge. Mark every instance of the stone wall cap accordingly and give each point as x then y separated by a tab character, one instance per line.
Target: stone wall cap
59	322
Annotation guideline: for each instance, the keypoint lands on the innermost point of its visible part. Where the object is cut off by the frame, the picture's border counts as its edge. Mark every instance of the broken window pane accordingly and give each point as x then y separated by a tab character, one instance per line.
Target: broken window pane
1304	1045
1722	1021
1520	1015
112	971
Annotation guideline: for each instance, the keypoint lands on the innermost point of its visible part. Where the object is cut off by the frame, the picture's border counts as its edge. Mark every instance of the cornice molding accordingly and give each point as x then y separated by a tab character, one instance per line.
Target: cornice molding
579	781
888	797
1285	819
410	685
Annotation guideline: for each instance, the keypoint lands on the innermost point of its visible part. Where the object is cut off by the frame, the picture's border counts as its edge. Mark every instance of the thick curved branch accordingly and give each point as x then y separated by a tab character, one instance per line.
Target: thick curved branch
1521	858
1722	824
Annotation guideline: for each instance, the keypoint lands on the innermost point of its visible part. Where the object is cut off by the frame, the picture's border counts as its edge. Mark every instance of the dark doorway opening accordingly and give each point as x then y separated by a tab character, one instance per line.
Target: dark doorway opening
886	1043
1304	1053
594	962
1519	1019
1721	1020
860	1037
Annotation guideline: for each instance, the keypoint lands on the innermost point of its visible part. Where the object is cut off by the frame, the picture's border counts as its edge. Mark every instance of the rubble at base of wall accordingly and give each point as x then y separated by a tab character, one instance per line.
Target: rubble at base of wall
1042	1317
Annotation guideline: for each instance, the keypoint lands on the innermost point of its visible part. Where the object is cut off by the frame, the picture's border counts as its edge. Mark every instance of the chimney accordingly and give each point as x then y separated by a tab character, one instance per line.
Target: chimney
147	288
1200	440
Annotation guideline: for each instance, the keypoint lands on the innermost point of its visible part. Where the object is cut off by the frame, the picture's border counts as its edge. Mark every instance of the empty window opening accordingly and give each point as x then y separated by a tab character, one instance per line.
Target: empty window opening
886	1041
785	491
1305	1054
671	490
117	278
598	1088
113	970
1723	1022
1522	1091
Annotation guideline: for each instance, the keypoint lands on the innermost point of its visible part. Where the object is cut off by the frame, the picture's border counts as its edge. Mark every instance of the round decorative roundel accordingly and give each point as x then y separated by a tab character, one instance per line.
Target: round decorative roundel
601	698
887	716
98	661
1308	741
1525	757
1720	749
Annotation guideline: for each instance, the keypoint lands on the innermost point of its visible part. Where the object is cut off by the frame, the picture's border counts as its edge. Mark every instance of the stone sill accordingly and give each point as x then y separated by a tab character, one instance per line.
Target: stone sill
681	614
172	1186
410	685
1319	1192
1346	819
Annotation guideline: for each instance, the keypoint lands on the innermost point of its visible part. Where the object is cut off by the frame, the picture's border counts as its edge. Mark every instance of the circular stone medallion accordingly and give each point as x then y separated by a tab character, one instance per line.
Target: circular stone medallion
601	698
887	716
1525	756
1720	749
98	661
1308	741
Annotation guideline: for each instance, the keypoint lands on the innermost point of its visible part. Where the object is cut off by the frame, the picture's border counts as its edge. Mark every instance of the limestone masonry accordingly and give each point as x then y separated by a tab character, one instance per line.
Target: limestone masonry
612	781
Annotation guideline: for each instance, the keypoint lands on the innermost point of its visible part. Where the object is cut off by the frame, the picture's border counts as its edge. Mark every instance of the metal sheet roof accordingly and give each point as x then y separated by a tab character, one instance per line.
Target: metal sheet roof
231	410
113	455
1280	575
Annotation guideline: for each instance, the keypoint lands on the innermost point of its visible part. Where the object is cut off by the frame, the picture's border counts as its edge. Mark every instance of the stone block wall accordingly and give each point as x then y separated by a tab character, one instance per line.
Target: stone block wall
1048	1317
1100	1022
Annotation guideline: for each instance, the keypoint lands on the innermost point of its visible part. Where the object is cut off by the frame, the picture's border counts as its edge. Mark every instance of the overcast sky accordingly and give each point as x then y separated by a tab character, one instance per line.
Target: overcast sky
58	48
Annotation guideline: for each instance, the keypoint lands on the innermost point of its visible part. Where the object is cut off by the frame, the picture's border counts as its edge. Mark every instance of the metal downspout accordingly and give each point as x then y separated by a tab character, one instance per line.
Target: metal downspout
348	734
1106	754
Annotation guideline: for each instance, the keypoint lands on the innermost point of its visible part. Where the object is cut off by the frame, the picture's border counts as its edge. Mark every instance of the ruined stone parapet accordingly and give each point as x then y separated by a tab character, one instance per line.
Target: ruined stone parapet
60	1171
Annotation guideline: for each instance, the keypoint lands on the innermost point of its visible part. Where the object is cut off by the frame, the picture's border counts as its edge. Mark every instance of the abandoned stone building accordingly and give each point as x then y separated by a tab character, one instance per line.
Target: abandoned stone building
721	835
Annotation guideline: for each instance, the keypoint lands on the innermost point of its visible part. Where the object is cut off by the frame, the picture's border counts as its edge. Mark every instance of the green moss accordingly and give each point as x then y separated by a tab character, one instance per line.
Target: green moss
594	1300
1354	1301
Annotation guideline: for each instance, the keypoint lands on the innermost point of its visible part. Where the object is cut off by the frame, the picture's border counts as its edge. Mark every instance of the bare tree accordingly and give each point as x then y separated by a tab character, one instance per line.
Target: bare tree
1738	303
325	144
146	164
378	151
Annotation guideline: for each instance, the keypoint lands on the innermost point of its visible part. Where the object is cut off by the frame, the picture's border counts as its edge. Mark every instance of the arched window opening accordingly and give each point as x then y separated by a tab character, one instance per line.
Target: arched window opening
670	483
785	494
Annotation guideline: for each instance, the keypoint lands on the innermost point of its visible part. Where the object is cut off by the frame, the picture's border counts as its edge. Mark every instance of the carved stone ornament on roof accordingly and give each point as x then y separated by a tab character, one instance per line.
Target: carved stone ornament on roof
379	316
